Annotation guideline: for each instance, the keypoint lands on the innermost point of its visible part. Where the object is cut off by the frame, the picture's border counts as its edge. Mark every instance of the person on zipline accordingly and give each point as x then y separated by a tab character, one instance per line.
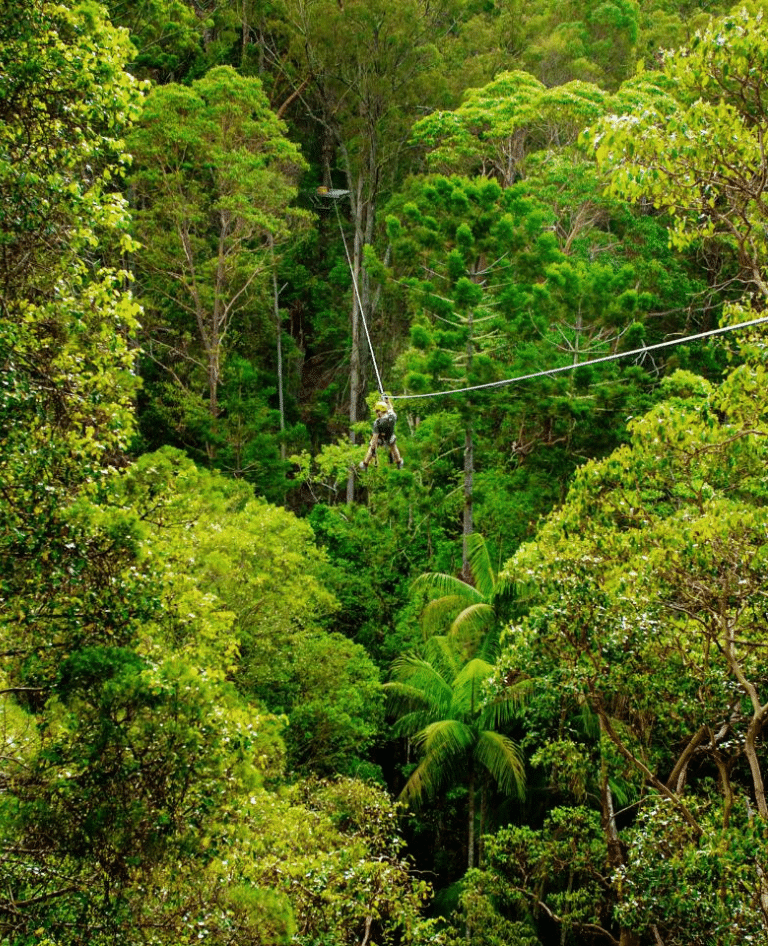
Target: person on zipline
383	435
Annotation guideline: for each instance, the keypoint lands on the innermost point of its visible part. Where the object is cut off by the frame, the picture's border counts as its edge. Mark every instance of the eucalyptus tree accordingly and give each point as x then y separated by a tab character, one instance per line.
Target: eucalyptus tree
364	70
213	179
441	704
167	36
592	41
689	140
497	127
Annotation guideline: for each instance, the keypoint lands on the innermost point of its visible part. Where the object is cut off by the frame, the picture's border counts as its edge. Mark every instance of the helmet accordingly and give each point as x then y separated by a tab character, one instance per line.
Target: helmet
381	406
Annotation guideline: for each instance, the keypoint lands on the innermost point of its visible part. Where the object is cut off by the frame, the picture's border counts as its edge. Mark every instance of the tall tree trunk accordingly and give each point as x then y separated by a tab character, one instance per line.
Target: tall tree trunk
615	852
470	835
483	815
469	467
363	219
355	380
279	332
471	826
213	382
468	523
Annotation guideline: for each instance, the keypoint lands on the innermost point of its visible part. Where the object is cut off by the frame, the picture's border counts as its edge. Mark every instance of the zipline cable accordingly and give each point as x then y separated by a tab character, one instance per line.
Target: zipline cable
359	300
524	377
584	364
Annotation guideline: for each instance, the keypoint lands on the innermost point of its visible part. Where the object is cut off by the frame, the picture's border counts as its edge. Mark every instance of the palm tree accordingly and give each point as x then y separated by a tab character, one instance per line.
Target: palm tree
468	610
440	702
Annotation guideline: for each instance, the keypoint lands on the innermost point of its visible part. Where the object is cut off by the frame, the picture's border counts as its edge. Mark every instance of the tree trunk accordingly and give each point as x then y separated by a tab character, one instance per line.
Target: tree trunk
470	835
356	356
469	468
468	524
471	826
483	815
615	852
279	332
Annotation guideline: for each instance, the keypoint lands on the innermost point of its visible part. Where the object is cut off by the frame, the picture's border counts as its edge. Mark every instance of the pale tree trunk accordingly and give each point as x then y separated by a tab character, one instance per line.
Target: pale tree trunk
470	835
471	825
214	338
213	381
279	332
206	329
608	816
755	728
469	469
355	361
279	346
483	815
363	217
246	31
468	523
754	731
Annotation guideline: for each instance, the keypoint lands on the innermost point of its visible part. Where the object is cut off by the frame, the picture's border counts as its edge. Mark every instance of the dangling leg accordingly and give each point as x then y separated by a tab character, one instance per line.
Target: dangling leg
371	452
394	453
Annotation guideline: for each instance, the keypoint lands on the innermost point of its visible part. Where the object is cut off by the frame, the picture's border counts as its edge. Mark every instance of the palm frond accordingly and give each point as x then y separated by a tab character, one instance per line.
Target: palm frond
480	564
473	622
440	612
502	759
501	710
504	586
445	744
410	724
445	738
425	781
420	684
442	653
440	585
406	698
468	686
489	646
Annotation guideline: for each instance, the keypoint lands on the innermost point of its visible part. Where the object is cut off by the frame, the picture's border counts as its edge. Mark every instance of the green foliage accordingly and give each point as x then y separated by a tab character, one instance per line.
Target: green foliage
470	611
496	127
642	594
213	177
559	868
247	600
699	889
551	287
334	848
593	41
442	704
174	648
707	100
168	36
65	335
